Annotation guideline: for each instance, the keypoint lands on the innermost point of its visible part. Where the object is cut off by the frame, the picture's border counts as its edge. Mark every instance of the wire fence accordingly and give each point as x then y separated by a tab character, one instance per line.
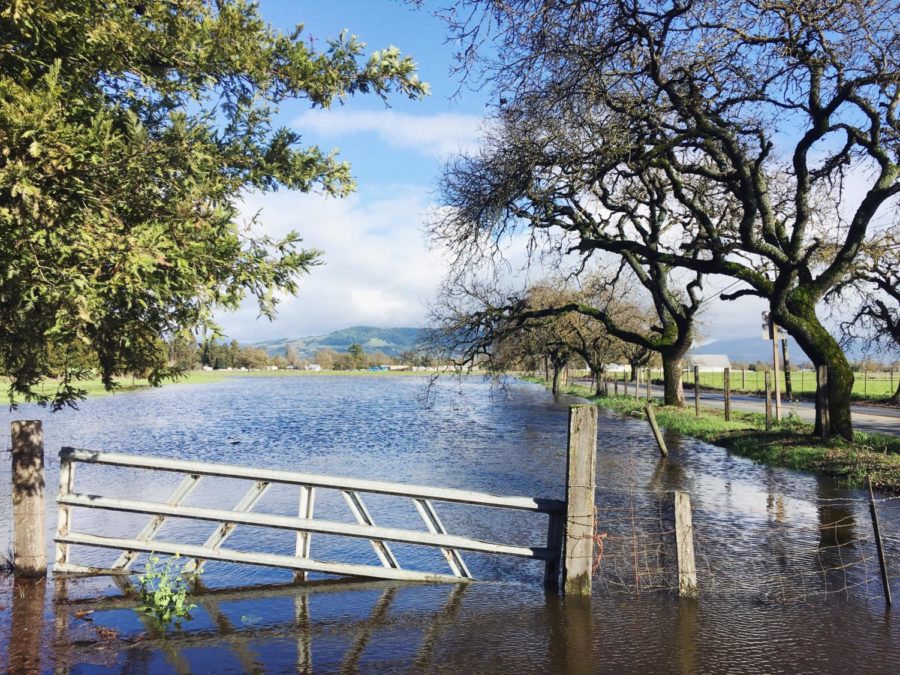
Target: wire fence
774	558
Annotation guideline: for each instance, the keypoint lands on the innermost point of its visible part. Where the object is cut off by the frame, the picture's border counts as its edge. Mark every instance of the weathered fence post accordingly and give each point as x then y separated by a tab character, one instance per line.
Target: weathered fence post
64	512
743	379
697	390
726	385
637	384
684	545
660	441
885	580
578	547
615	384
823	416
768	379
649	384
29	544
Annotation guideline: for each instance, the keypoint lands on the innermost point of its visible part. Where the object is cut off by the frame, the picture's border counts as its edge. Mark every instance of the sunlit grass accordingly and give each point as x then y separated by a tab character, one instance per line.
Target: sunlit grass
791	443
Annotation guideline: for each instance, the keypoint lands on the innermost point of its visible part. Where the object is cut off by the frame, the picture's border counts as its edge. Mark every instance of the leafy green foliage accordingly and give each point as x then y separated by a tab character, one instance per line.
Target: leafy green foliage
163	591
129	131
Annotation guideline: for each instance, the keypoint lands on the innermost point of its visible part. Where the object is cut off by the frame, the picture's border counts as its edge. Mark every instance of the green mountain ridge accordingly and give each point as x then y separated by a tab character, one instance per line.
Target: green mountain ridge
391	341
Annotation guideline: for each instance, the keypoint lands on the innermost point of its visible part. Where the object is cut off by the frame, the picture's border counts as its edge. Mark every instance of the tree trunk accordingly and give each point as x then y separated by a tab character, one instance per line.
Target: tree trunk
556	373
598	382
823	350
895	399
634	369
673	389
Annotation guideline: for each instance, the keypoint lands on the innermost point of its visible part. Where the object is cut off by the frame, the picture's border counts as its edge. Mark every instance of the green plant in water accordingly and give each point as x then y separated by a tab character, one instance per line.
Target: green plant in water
164	590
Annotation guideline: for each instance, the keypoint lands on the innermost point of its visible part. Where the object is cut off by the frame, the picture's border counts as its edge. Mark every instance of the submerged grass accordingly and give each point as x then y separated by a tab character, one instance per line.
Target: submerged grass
791	443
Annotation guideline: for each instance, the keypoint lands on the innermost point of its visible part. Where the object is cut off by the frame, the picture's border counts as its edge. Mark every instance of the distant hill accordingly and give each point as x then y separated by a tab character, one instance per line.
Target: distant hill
750	350
755	349
391	341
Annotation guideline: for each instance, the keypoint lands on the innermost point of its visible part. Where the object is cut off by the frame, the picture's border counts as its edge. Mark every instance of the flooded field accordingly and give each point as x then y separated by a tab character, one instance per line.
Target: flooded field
787	573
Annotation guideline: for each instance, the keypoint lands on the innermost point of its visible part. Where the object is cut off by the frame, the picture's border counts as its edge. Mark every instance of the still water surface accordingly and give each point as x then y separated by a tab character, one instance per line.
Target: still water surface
788	582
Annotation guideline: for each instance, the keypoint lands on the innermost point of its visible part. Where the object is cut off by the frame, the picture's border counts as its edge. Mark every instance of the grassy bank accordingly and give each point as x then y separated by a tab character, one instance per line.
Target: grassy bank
790	444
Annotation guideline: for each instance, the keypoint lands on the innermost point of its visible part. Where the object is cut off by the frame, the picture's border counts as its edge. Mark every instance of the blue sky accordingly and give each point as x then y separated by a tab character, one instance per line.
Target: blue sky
378	269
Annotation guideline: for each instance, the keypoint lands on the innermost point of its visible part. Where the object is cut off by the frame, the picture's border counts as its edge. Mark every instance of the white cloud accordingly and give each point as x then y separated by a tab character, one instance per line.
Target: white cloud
378	269
437	135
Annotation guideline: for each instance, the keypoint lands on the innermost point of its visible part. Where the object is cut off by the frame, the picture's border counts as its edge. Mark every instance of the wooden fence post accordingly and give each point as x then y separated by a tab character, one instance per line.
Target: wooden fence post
885	580
823	416
743	379
29	537
578	547
684	546
660	441
768	378
697	390
726	384
649	384
637	384
615	384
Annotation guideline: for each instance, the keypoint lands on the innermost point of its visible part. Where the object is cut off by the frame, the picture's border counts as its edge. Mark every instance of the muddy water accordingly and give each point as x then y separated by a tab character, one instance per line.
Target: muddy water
786	569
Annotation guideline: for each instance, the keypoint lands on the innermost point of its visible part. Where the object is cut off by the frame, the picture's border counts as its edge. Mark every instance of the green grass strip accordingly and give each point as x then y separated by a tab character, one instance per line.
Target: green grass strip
791	443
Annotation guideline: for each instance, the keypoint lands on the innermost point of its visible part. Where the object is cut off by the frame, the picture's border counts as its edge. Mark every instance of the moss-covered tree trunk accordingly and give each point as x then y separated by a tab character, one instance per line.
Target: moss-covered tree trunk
556	373
801	322
598	384
673	389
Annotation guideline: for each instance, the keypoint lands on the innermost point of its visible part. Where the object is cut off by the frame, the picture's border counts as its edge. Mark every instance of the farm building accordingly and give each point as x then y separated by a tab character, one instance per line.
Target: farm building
707	363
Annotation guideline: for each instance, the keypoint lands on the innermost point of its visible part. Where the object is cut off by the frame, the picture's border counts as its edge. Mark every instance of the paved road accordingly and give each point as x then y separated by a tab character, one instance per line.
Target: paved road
865	417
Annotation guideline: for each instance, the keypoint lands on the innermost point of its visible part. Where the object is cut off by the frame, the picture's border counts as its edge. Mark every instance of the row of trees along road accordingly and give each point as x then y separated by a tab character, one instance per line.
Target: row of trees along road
129	132
755	141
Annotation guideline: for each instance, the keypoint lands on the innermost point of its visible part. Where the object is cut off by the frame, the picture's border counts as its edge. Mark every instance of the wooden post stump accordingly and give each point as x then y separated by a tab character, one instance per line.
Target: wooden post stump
660	441
578	547
684	546
29	537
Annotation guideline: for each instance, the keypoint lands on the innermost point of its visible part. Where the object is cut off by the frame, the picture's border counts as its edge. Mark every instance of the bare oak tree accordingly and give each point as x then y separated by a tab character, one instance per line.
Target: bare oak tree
760	107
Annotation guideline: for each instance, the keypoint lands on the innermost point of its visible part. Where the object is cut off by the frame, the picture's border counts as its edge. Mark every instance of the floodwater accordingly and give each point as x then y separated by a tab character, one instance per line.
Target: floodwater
786	562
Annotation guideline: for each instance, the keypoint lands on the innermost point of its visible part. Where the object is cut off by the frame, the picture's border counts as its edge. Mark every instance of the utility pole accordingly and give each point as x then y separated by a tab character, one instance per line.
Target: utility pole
788	391
771	332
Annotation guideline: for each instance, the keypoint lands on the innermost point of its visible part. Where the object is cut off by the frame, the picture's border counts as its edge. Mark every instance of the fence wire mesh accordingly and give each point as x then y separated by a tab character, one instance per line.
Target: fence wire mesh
825	548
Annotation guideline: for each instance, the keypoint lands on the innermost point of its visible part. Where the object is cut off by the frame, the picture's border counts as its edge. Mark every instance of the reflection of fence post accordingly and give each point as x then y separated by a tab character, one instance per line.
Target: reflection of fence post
684	545
29	545
823	416
697	390
726	384
885	580
660	441
27	625
768	379
578	548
